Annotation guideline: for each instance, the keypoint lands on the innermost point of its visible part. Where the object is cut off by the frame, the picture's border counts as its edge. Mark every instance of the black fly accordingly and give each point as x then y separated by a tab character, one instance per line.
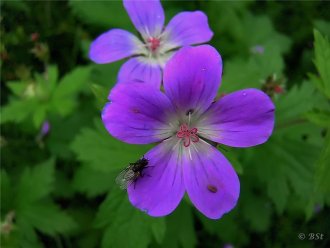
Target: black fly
131	173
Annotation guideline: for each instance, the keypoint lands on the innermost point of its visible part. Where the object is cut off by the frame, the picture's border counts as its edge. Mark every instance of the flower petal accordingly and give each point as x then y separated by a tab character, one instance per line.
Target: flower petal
136	70
187	28
114	45
192	77
146	15
161	188
138	114
211	182
240	119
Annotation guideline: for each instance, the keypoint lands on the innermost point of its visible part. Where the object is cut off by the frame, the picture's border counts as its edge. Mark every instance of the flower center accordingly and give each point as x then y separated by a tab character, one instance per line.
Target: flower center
187	135
153	43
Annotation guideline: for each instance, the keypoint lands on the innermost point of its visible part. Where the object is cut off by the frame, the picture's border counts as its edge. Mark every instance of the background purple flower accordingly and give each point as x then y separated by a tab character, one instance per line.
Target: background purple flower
181	120
158	42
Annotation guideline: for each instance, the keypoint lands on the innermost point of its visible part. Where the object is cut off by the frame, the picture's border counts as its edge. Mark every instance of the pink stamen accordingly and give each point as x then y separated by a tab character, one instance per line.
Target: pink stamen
153	43
187	135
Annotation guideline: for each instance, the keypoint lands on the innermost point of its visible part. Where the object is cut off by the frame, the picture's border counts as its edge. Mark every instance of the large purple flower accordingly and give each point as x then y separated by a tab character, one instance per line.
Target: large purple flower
183	120
150	55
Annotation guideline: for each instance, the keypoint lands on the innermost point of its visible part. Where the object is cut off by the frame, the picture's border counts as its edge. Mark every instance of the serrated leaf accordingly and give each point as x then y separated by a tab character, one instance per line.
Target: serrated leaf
101	94
180	230
17	111
322	60
228	228
319	117
286	165
35	183
64	96
289	106
102	152
52	76
125	225
63	185
93	182
65	129
47	218
25	235
278	190
17	87
323	171
39	115
241	73
256	211
322	26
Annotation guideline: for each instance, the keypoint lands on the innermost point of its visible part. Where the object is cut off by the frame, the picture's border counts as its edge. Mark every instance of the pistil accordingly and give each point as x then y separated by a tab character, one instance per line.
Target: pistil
187	135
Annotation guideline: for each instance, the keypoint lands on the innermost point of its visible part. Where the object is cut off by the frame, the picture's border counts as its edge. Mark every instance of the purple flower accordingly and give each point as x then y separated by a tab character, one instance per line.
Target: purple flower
228	246
182	120
45	128
158	43
258	49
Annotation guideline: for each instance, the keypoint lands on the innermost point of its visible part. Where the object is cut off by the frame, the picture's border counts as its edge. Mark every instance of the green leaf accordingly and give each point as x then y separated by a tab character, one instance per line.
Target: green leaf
47	218
106	14
25	235
228	228
125	225
256	211
158	229
319	117
101	94
106	75
17	110
265	34
6	192
233	159
64	96
323	171
17	87
180	230
249	73
288	168
102	152
322	26
63	185
52	76
278	190
65	129
288	106
92	182
322	61
39	115
35	183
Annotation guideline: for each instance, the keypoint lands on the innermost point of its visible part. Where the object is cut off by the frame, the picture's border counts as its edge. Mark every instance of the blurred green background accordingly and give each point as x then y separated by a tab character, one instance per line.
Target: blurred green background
58	163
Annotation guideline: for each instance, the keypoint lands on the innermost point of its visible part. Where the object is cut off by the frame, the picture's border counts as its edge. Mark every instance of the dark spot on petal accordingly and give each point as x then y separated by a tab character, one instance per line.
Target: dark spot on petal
135	110
212	188
190	111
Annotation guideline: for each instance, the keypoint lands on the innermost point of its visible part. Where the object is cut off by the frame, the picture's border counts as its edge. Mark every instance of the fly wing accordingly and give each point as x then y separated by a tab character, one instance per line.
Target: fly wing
125	177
